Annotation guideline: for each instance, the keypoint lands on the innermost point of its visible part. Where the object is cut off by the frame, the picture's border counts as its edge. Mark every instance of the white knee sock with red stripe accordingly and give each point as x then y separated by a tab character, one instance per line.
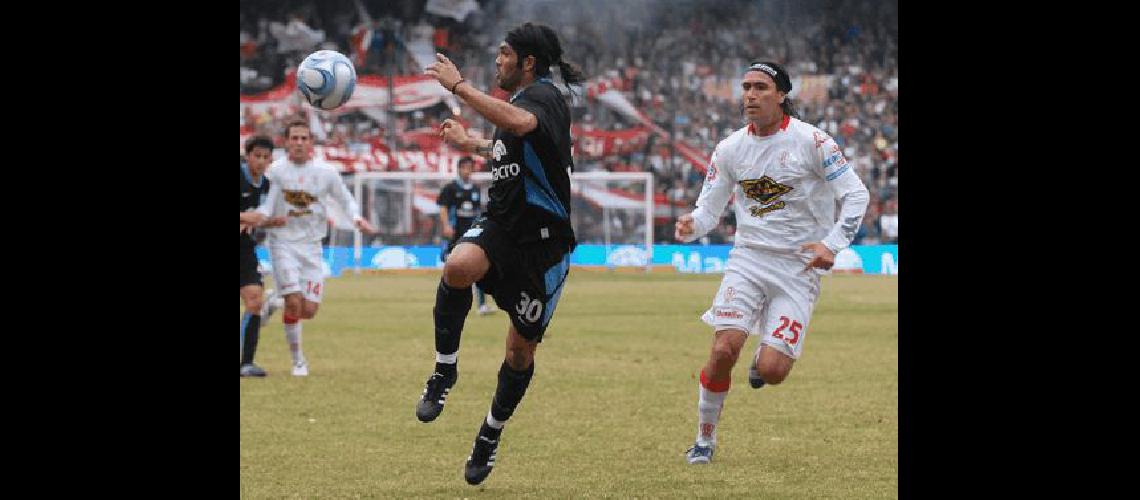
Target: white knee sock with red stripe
710	402
293	337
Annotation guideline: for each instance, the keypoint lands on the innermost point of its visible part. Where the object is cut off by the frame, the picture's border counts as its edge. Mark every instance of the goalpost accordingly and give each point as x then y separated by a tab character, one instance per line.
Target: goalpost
613	210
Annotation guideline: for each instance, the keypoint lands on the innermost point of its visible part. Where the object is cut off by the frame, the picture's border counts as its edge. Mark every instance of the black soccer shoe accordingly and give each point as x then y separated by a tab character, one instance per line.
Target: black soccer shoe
754	378
251	370
434	396
482	458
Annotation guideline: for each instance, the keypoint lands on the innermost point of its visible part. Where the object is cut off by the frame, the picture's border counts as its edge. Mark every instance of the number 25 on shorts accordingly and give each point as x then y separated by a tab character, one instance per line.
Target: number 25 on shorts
795	329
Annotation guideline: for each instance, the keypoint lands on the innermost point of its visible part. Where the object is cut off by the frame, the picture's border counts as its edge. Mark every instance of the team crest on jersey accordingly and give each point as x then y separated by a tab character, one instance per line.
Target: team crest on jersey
299	199
499	150
786	157
711	176
766	191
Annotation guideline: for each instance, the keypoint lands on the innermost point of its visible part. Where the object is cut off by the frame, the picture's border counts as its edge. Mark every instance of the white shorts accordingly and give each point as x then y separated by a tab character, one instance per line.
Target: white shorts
298	267
766	294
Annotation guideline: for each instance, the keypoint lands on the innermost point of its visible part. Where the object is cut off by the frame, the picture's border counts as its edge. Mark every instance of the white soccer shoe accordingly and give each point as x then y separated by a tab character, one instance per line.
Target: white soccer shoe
485	309
301	369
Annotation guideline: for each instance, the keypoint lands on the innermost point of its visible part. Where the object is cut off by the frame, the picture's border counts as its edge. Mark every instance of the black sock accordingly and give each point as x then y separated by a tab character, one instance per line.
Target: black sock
251	326
490	432
512	386
451	307
448	370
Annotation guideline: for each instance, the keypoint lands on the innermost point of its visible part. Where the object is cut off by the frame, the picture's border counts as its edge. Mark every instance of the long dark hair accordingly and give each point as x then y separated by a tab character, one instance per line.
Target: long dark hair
541	41
789	108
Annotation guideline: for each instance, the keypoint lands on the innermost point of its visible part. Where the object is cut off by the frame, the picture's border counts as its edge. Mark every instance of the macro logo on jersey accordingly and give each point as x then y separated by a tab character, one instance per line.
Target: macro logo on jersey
299	199
505	171
766	191
712	172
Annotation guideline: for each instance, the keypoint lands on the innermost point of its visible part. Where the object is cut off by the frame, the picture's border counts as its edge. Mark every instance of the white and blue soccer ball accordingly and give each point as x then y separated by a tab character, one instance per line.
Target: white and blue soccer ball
327	79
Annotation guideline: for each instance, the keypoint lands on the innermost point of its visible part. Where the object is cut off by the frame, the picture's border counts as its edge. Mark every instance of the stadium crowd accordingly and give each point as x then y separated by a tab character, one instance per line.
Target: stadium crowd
676	61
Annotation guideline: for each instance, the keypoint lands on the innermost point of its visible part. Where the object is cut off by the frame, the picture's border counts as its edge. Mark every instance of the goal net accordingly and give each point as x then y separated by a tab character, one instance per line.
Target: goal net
611	212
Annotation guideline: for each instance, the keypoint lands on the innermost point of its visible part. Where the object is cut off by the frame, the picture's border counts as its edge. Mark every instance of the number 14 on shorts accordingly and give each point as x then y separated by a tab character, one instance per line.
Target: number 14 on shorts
795	328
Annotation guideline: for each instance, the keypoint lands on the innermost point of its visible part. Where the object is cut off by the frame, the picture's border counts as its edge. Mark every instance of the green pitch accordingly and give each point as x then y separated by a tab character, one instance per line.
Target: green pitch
609	413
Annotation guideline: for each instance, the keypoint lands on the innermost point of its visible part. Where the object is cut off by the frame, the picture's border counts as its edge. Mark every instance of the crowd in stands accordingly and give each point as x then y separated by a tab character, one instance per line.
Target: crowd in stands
677	61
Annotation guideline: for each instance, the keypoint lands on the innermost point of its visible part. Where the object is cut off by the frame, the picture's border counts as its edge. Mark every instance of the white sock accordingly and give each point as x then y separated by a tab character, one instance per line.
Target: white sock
447	359
495	424
293	336
709	405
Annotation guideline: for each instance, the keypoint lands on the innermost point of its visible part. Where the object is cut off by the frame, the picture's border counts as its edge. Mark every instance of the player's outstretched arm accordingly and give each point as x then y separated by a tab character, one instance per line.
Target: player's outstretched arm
714	197
347	203
504	115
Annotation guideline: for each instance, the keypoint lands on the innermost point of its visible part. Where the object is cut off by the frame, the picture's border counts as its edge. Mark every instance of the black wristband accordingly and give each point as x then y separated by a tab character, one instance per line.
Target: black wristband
461	80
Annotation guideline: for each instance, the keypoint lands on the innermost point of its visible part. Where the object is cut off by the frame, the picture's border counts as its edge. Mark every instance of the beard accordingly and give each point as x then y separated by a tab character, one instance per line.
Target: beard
509	82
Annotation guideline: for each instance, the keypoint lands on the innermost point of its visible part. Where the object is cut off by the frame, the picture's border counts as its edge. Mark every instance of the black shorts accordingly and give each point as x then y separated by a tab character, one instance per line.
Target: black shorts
445	247
249	274
525	280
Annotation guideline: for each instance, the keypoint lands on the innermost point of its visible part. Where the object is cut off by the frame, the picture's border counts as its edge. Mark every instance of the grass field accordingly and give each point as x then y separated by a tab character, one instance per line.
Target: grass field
609	414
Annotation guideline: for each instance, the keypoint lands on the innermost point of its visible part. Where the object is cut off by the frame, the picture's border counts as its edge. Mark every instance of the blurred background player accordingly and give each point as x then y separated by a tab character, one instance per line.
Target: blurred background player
520	250
258	308
788	178
301	188
461	204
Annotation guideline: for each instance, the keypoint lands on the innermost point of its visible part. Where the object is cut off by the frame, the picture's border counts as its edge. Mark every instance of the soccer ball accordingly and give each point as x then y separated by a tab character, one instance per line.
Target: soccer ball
326	78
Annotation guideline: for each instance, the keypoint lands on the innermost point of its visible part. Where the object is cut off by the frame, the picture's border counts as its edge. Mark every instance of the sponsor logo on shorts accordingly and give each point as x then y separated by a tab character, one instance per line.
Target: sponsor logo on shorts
728	314
473	232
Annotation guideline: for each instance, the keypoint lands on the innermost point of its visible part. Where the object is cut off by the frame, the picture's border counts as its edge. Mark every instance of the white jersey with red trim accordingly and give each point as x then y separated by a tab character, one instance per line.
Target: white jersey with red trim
302	193
787	187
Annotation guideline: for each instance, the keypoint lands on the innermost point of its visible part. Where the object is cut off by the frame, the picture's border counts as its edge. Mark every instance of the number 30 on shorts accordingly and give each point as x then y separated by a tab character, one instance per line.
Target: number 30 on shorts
795	329
529	309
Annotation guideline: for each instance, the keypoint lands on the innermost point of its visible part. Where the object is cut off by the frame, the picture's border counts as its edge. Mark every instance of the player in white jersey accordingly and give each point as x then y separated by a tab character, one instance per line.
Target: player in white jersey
302	189
787	177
